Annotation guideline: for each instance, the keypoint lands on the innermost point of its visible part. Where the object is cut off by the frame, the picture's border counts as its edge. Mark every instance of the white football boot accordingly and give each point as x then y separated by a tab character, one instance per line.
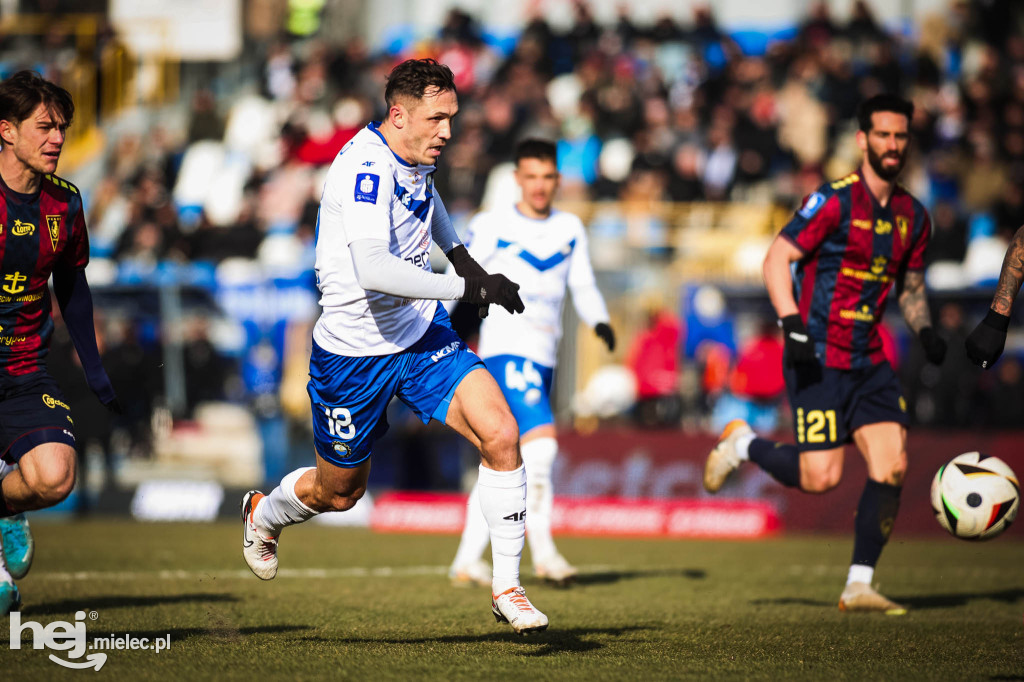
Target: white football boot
259	547
473	573
724	459
555	569
512	607
862	597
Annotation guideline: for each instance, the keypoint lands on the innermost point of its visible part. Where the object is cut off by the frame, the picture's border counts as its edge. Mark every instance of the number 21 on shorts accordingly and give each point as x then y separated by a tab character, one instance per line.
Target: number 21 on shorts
810	427
339	423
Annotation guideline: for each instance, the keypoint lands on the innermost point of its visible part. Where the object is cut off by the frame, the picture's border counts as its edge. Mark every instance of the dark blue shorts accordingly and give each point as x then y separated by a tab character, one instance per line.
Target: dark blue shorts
527	388
33	412
830	404
349	396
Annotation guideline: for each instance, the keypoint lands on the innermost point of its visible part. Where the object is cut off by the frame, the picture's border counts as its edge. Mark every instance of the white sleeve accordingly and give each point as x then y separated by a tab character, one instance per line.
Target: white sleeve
377	269
357	199
441	229
586	298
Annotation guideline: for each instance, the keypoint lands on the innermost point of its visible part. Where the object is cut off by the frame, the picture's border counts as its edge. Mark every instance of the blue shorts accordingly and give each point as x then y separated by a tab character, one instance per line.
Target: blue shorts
349	396
830	404
33	412
527	388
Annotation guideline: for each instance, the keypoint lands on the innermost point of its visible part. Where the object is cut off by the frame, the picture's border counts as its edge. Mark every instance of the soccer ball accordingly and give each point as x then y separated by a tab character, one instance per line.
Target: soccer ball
975	496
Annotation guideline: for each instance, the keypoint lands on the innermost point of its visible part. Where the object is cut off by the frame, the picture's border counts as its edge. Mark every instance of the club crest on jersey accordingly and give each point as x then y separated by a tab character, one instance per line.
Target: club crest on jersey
53	224
366	187
342	450
811	205
902	226
21	229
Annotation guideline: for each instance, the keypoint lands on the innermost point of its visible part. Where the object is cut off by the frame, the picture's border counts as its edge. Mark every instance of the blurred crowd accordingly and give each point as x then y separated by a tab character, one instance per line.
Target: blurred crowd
223	196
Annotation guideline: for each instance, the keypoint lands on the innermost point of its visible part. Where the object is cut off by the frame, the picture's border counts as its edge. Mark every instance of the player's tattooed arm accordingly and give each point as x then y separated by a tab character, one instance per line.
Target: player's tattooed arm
1011	276
913	302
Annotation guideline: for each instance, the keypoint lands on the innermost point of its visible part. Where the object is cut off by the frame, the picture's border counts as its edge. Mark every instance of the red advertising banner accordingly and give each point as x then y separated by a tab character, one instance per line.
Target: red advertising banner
445	513
652	465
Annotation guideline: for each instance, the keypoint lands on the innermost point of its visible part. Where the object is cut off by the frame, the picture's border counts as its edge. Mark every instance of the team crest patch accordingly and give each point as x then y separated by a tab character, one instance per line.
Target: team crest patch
342	450
902	226
53	224
812	205
366	187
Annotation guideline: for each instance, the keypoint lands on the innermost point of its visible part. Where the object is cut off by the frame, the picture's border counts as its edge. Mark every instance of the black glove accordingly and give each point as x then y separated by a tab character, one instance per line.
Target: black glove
985	343
495	288
934	345
113	405
799	346
604	330
466	266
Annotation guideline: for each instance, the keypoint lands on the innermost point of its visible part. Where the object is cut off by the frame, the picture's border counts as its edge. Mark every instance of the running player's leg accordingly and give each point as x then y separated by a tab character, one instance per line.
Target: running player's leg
480	414
878	420
814	463
348	400
540	448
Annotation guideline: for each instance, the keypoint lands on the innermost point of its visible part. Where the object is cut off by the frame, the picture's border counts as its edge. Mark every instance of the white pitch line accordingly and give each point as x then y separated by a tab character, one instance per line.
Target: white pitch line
303	573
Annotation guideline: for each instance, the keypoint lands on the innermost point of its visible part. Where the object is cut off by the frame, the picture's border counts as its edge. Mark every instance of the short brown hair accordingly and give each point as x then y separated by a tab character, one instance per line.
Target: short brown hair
24	91
413	77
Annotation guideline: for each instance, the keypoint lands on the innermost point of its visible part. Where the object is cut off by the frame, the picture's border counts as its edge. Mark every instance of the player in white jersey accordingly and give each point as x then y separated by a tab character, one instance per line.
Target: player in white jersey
382	334
545	250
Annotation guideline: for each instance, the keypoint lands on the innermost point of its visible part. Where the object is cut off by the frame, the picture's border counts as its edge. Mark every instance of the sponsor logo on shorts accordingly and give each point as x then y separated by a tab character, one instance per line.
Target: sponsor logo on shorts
342	450
52	402
446	351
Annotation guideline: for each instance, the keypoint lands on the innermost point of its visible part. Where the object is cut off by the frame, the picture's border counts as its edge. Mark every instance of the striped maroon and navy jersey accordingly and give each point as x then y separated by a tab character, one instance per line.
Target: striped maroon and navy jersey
854	250
39	233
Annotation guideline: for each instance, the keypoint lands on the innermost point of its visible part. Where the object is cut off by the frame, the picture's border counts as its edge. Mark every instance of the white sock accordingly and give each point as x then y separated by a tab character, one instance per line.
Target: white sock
743	445
503	501
859	573
475	534
538	458
5	469
282	507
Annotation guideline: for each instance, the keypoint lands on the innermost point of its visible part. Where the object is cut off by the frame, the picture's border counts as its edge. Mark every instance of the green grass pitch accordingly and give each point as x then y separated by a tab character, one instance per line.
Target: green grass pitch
354	605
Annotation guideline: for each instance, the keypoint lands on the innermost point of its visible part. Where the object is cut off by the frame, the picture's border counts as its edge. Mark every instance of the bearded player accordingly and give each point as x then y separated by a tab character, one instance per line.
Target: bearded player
828	275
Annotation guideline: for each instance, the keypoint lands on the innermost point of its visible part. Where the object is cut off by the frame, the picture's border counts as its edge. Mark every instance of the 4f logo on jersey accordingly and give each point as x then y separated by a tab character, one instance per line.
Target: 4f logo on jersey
516	516
367	185
14	283
53	224
21	229
883	226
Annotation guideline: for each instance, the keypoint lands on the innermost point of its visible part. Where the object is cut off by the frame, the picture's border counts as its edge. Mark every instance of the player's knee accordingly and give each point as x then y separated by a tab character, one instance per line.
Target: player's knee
334	500
820	480
52	486
501	435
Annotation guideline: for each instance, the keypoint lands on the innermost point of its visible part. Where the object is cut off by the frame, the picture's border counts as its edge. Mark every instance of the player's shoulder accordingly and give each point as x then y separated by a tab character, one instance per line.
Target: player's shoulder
61	187
365	152
567	220
817	199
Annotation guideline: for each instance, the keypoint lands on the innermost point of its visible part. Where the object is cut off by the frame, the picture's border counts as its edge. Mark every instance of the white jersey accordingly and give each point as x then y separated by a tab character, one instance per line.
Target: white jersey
542	257
370	193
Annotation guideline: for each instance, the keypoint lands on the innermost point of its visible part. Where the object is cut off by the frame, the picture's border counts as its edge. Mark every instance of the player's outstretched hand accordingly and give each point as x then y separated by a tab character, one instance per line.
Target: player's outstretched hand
466	266
496	288
985	344
799	346
113	405
604	331
934	345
